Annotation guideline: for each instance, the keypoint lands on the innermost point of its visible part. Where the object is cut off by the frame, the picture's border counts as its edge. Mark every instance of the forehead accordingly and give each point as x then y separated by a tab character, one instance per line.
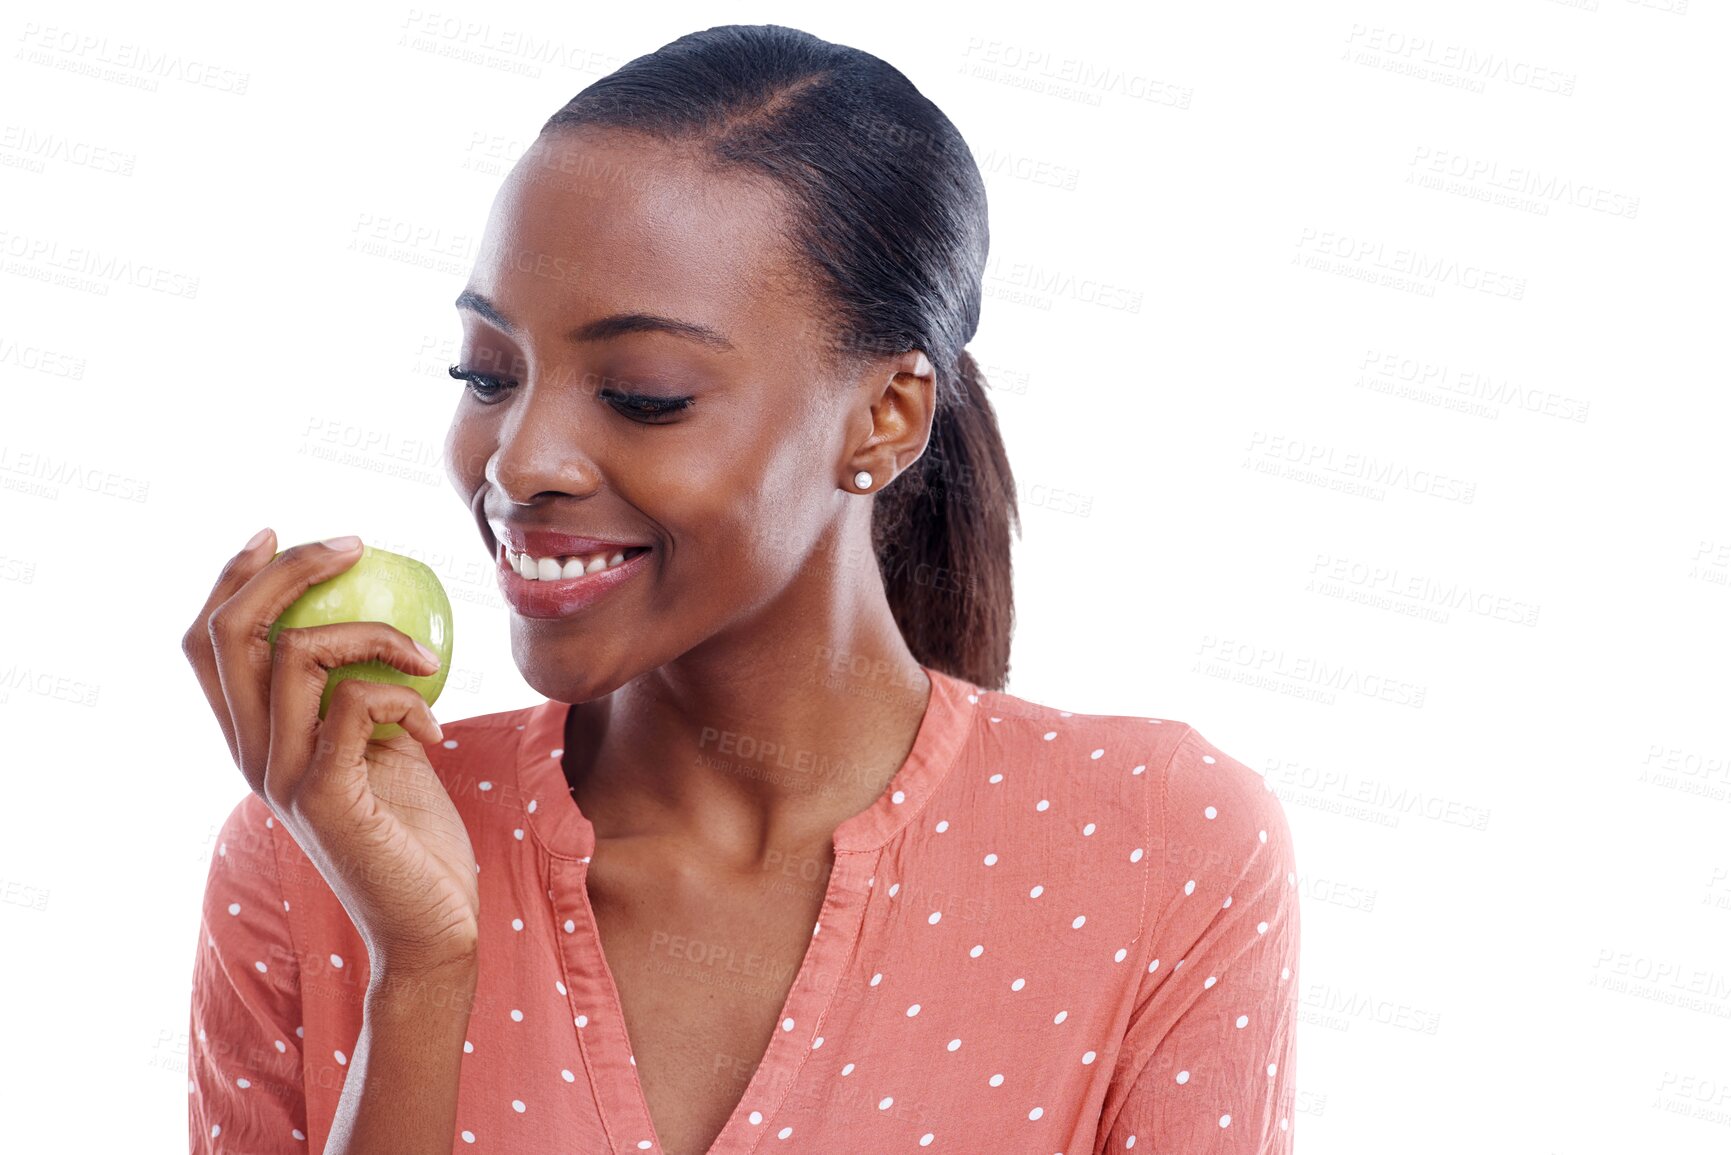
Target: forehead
591	222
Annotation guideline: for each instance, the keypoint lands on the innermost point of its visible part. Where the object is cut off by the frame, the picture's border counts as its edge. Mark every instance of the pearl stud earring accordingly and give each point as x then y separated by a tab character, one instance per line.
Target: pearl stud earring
863	479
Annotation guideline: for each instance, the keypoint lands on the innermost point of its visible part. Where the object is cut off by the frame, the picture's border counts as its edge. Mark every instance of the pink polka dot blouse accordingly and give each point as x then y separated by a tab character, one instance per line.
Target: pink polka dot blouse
1052	932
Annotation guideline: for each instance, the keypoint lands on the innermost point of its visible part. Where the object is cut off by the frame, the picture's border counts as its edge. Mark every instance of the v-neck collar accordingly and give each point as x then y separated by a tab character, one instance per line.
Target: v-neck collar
590	988
561	826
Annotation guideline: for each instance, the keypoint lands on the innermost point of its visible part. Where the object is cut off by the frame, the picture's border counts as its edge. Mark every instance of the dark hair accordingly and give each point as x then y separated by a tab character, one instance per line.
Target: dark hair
890	212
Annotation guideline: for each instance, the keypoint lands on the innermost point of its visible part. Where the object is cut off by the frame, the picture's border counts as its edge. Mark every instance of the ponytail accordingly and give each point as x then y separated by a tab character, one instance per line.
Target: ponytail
941	532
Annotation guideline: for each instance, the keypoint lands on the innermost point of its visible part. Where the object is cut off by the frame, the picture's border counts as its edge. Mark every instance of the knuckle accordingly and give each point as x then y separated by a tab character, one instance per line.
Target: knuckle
353	691
292	647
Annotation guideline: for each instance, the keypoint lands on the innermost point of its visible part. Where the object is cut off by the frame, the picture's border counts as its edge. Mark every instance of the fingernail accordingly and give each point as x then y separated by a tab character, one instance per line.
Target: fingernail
427	654
257	540
438	730
340	544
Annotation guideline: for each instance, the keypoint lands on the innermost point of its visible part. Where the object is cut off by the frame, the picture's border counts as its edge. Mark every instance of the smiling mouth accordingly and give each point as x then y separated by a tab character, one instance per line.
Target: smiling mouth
566	567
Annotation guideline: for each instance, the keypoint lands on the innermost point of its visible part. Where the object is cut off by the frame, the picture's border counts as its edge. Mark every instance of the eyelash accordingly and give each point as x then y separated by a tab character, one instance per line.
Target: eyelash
637	406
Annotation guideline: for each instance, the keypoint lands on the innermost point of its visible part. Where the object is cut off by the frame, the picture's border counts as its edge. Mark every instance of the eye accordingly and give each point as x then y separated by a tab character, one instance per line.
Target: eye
486	389
644	408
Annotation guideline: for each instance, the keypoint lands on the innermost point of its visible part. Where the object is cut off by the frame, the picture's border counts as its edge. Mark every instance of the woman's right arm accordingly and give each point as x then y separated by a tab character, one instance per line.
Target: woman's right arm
400	1094
374	820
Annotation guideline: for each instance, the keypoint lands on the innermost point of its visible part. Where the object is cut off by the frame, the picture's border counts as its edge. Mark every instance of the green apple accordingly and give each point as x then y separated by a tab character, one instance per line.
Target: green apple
380	587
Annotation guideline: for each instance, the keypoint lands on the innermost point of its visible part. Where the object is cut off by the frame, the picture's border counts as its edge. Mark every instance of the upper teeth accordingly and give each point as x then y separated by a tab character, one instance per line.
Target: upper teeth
548	569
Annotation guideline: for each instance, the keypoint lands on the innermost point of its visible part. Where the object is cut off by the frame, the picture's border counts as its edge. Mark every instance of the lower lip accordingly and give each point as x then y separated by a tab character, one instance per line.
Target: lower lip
564	596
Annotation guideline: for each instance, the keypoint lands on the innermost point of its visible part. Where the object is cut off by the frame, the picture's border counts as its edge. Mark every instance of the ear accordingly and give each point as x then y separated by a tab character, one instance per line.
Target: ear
899	400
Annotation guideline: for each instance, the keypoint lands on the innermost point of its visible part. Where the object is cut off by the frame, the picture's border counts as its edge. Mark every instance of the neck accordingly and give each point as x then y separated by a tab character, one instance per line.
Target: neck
763	738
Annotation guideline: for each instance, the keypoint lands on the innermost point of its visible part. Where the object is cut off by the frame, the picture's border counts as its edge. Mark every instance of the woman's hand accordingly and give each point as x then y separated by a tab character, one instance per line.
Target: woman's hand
372	816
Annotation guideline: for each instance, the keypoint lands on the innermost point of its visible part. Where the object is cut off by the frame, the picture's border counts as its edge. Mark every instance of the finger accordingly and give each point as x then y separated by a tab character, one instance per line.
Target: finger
195	643
299	670
332	782
240	634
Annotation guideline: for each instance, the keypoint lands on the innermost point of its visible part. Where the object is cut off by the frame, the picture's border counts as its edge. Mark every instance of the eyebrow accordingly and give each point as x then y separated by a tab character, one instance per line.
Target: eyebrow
602	328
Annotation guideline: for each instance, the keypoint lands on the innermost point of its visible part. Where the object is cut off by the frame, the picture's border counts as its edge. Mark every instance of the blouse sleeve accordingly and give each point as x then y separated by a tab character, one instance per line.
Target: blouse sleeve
1208	1061
244	1046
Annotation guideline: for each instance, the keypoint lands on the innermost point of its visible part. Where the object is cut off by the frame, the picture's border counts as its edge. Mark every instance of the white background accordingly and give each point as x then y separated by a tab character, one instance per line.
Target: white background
1443	552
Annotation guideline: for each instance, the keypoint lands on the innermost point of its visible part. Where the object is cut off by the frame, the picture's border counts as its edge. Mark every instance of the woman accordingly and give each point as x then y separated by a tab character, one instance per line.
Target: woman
777	864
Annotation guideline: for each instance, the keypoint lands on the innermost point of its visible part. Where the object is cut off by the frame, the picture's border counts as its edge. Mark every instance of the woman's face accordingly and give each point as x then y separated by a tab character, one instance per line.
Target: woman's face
731	494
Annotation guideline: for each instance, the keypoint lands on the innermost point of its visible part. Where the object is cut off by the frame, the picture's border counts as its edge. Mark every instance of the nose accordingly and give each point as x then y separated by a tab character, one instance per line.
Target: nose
540	451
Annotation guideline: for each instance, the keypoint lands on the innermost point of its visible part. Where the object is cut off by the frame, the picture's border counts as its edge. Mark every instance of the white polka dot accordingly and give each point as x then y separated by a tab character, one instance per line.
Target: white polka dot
516	924
1036	892
518	1106
932	918
565	1073
559	985
1049	735
1096	753
1087	1057
516	1015
1018	984
926	1139
1262	928
1271	1070
942	825
1119	954
787	1024
894	886
996	778
913	1010
877	978
1042	804
1209	981
449	744
1190	887
1060	1016
468	1136
884	1102
260	967
1209	812
1224	1119
1243	1021
817	1042
570	926
784	1132
468	1047
298	1133
282	1047
1088	829
1183	1077
582	1021
484	785
1137	769
996	1080
755	1117
1136	855
342	1059
990	859
517	834
977	951
337	960
898	797
847	1070
1036	1113
955	1043
243	1083
234	908
1080	919
1262	836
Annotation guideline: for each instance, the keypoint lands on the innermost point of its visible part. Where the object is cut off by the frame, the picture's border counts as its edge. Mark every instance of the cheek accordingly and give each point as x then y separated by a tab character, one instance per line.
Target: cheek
465	455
